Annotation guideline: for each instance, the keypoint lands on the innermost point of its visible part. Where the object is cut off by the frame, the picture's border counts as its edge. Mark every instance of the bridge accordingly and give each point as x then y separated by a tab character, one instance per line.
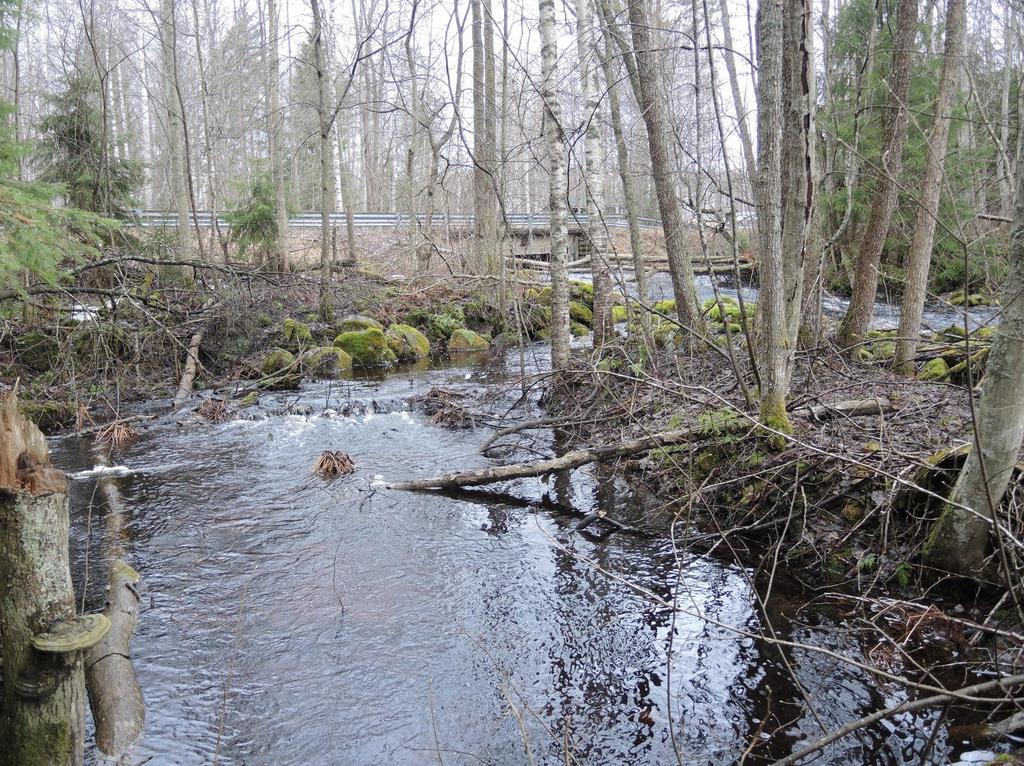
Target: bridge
517	222
531	242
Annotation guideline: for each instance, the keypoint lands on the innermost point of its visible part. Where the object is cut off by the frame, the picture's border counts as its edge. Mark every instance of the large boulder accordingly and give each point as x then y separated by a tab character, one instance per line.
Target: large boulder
581	313
277	361
407	343
326	361
368	348
466	340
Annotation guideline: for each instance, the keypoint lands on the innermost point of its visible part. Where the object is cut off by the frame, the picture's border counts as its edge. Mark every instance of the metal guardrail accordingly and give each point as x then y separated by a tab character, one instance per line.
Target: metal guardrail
522	221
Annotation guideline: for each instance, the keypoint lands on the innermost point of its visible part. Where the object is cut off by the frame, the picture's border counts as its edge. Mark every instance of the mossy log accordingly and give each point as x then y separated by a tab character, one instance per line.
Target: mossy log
581	457
42	717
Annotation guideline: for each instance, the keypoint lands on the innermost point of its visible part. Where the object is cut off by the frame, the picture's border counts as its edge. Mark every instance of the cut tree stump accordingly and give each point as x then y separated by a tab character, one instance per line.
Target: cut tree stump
42	720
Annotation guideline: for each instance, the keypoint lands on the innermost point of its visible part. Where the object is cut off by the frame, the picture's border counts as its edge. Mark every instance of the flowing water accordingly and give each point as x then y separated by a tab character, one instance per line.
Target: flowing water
287	620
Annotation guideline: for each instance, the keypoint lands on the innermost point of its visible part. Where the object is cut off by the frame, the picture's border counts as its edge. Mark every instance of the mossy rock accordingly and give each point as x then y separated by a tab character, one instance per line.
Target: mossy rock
883	350
327	361
536	319
249	400
581	313
893	333
482	315
710	303
37	350
988	332
368	348
297	334
463	340
863	354
277	361
934	369
664	334
407	343
578	329
582	292
438	326
358	322
505	340
728	311
48	415
619	314
264	320
666	307
953	331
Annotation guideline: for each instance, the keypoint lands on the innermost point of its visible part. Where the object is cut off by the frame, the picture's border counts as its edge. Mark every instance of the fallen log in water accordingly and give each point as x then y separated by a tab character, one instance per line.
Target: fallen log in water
117	706
580	457
189	374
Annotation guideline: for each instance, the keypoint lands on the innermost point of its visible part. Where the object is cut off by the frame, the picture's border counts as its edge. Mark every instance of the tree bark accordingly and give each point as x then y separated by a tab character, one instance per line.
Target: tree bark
175	127
959	539
275	131
771	300
651	99
593	172
737	97
188	376
920	254
555	141
887	184
42	718
326	176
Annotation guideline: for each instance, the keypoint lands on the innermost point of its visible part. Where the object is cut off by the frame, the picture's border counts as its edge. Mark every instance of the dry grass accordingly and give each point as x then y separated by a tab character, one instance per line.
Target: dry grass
117	434
214	410
332	464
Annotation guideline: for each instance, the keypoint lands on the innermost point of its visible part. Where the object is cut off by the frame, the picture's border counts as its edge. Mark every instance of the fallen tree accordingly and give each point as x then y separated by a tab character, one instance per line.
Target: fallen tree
188	376
729	423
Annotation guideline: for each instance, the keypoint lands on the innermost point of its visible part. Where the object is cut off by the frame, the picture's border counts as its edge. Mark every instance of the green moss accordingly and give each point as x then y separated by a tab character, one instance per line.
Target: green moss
368	348
407	343
934	369
664	333
578	329
609	364
863	354
48	415
466	340
718	422
619	314
296	333
773	416
665	307
264	320
438	326
883	350
250	399
358	322
985	333
277	361
327	360
582	291
581	313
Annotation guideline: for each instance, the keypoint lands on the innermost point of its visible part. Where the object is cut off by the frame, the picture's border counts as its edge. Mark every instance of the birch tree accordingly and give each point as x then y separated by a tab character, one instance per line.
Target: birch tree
554	138
324	117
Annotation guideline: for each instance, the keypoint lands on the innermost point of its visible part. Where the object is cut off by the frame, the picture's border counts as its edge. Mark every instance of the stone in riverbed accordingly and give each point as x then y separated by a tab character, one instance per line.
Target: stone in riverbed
466	340
368	348
407	343
358	322
327	361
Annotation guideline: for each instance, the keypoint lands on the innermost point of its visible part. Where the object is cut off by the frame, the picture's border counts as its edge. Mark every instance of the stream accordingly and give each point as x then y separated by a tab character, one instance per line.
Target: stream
287	620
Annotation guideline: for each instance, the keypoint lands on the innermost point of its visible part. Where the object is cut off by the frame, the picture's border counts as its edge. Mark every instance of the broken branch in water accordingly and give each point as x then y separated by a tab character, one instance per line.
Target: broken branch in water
580	457
189	374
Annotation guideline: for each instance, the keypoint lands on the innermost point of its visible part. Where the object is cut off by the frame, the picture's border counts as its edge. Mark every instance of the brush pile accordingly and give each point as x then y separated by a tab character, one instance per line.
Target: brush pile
332	464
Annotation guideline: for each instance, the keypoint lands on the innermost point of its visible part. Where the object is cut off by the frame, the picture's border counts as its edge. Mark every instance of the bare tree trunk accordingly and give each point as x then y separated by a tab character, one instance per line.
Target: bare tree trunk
555	141
651	98
771	301
175	126
799	158
958	541
326	176
737	96
593	173
42	716
278	167
211	162
920	254
1005	168
887	184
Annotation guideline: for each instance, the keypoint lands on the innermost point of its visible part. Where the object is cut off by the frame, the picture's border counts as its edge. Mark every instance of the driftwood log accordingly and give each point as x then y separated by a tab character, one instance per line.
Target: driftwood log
117	706
580	457
188	376
42	715
115	698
